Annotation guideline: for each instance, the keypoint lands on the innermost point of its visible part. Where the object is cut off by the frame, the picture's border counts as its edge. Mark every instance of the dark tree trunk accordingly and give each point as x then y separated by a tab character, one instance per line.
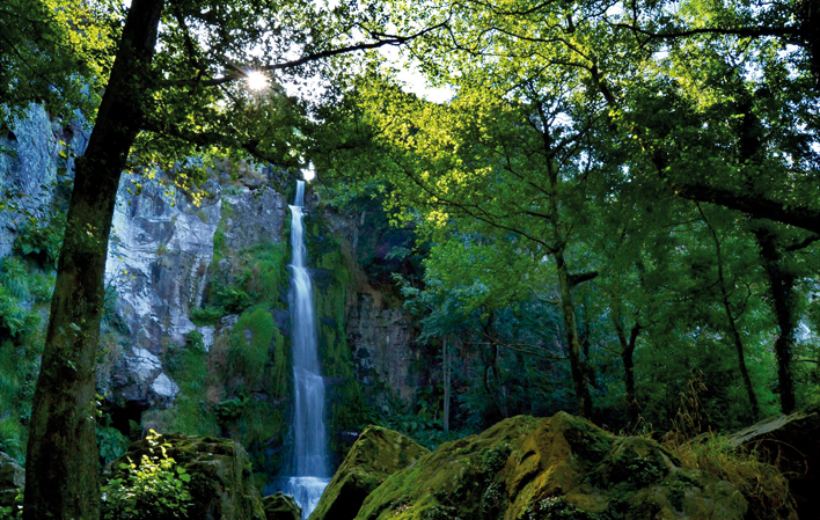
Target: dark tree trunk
62	461
579	372
781	290
809	24
586	341
627	357
446	372
734	330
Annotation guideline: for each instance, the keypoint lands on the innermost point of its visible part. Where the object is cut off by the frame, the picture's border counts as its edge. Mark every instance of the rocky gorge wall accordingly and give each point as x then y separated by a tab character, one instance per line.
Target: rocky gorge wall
196	334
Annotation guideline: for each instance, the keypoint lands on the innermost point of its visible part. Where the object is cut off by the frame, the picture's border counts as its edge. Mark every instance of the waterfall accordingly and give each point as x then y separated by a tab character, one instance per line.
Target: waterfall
310	465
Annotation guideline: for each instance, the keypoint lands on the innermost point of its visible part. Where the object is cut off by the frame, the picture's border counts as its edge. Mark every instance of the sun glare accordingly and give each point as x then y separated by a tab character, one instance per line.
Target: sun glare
257	80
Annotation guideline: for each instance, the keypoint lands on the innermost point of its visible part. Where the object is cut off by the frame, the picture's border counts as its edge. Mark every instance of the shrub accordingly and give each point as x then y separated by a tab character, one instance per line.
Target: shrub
40	242
156	488
763	485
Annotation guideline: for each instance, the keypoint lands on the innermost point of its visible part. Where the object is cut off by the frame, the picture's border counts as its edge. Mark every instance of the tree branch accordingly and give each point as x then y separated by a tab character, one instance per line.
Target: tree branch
755	206
237	72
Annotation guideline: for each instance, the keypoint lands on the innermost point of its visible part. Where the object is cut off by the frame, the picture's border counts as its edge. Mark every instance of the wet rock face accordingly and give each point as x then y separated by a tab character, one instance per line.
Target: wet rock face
257	216
525	468
376	454
160	253
382	343
379	331
160	248
31	169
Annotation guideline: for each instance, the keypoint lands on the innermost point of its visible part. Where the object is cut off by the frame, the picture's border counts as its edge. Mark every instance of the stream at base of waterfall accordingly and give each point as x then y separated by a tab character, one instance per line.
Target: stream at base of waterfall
310	465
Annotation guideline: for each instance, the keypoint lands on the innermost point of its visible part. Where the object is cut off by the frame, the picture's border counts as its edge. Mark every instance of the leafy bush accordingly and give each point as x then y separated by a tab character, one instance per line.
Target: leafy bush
207	315
15	510
112	443
156	488
40	242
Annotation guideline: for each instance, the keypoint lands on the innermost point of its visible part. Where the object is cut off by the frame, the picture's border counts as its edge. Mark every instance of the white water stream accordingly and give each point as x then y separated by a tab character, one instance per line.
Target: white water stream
310	465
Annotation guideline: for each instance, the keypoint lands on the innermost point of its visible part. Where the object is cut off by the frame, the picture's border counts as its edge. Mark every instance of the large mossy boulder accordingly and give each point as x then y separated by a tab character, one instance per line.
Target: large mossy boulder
792	443
564	467
281	507
376	454
12	479
217	472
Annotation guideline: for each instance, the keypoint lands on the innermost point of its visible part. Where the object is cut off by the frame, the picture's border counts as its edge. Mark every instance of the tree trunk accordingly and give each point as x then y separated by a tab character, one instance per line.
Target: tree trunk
781	289
446	377
586	340
579	373
734	330
62	462
809	13
627	357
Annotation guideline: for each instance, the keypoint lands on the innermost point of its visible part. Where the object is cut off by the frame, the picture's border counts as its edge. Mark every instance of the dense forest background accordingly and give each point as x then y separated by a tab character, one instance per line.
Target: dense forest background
520	207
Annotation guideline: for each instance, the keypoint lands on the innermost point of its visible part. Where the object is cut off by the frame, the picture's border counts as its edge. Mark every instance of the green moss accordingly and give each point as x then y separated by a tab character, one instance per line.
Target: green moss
346	403
226	212
191	413
251	339
376	454
562	467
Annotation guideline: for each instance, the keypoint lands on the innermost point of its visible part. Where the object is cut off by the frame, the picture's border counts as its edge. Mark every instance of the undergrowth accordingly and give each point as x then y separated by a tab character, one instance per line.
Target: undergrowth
763	485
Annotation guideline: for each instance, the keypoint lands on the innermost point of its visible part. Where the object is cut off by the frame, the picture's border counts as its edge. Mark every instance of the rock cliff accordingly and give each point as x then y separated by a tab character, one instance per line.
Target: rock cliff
196	329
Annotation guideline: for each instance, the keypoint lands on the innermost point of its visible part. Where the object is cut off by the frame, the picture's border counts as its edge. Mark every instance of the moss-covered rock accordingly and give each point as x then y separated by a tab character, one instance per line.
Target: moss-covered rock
281	507
220	485
789	442
12	478
525	468
376	454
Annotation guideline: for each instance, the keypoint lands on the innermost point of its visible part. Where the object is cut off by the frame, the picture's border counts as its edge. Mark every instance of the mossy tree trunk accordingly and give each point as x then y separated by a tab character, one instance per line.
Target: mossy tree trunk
627	357
781	295
62	462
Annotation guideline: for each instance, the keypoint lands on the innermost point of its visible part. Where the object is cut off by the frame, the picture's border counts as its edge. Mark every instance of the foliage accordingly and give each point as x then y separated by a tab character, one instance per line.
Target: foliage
623	189
251	339
41	242
112	444
15	510
155	487
24	289
762	484
55	52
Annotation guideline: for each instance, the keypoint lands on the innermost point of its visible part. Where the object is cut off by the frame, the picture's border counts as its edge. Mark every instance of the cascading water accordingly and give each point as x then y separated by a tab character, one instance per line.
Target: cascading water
310	465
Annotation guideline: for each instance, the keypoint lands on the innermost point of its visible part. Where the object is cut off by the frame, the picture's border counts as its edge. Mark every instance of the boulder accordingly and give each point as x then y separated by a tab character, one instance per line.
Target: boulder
281	507
12	479
792	443
220	484
525	468
376	454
